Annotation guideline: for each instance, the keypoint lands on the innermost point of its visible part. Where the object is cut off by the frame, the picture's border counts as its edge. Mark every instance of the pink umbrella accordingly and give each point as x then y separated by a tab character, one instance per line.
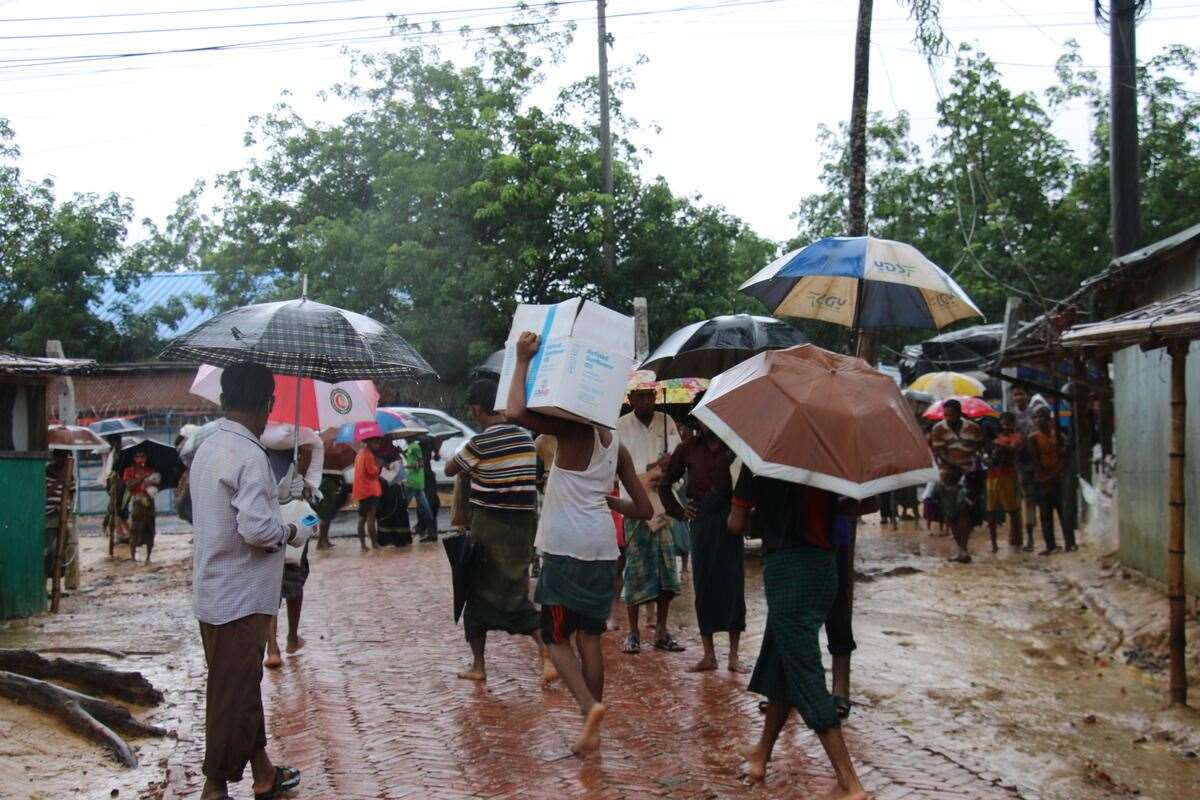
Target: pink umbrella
303	401
972	408
367	430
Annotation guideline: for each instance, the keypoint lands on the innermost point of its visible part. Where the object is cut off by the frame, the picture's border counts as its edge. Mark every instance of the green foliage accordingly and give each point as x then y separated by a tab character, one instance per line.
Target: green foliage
446	197
1001	202
54	259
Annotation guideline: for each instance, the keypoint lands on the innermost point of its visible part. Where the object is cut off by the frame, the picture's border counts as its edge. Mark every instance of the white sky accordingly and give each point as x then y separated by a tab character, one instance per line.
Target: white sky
738	90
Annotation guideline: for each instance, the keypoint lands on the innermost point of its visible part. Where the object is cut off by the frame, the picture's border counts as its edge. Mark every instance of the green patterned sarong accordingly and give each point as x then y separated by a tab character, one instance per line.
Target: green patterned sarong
650	568
800	584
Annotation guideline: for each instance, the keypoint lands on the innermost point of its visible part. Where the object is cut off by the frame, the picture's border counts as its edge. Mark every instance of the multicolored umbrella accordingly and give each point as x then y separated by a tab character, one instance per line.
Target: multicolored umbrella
388	422
671	391
809	416
943	385
972	408
861	282
320	405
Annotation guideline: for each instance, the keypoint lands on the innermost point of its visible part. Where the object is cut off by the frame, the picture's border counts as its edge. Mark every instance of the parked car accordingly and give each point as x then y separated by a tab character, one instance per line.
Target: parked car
441	424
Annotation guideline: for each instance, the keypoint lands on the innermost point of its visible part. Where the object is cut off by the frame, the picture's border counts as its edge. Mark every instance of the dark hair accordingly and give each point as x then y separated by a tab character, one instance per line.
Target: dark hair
482	393
1008	416
246	387
1042	411
952	403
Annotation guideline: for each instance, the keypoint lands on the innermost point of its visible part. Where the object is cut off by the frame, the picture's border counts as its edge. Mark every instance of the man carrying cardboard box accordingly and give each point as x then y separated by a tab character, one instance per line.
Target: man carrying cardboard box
576	539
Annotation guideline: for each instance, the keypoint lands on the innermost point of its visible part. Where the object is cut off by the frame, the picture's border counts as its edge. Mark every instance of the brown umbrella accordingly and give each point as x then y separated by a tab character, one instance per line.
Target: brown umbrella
75	437
809	416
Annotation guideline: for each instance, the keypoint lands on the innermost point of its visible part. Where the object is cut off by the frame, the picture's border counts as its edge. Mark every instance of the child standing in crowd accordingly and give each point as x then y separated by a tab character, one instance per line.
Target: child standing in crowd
141	484
367	491
954	501
1048	450
575	537
1002	496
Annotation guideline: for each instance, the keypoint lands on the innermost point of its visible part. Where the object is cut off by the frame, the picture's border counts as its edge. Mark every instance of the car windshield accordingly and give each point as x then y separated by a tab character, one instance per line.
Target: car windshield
437	426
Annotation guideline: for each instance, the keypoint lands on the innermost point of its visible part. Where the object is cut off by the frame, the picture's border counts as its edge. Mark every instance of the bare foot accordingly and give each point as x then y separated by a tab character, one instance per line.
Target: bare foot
589	740
757	770
703	665
473	674
549	672
273	660
738	667
838	793
295	645
364	547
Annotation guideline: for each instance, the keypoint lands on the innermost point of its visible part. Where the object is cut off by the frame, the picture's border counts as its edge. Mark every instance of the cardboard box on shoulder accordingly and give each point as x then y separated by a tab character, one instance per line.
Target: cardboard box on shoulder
582	365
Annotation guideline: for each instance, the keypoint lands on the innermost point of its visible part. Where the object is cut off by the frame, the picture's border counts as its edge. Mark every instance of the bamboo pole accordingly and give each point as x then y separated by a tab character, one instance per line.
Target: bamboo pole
1175	541
64	510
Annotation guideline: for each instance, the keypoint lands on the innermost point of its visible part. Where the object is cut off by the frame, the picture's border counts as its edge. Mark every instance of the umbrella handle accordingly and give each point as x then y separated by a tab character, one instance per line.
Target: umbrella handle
296	427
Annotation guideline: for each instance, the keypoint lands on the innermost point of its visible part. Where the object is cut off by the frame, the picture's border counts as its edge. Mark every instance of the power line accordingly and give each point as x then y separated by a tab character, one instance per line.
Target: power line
177	11
17	63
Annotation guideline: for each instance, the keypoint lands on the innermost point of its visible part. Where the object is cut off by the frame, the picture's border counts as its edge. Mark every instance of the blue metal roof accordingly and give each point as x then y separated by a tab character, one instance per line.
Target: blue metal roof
158	289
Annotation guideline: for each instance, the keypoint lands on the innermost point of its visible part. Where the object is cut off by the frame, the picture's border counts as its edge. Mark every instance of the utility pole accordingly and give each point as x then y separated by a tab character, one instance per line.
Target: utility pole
856	215
641	329
1125	195
610	259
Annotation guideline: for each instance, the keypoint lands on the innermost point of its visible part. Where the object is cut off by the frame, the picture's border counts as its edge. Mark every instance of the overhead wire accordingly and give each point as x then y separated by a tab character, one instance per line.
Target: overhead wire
24	62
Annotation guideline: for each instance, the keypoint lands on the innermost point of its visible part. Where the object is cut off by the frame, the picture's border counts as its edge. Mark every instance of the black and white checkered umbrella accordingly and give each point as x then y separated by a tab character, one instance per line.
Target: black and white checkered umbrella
301	338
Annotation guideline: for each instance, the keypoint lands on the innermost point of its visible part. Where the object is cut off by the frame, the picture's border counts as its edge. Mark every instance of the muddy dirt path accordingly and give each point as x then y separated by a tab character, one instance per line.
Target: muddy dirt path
1004	664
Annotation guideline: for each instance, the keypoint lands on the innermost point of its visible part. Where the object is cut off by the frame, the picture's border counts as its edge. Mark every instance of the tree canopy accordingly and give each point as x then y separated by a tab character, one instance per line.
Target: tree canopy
997	198
448	193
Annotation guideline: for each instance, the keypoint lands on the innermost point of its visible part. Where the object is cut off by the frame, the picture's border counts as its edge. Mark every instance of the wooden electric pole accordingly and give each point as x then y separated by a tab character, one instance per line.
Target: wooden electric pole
856	212
1124	191
605	136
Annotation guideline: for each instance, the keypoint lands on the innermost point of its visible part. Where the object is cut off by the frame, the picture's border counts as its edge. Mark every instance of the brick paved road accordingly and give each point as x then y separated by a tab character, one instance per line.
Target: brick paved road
371	709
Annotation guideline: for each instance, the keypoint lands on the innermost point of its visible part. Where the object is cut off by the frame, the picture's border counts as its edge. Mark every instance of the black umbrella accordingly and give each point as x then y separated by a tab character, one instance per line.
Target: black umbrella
491	367
461	551
706	349
160	457
301	338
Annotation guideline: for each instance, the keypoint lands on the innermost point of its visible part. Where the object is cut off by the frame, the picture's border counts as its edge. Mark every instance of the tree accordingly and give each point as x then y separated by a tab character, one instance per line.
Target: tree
931	40
1001	202
446	197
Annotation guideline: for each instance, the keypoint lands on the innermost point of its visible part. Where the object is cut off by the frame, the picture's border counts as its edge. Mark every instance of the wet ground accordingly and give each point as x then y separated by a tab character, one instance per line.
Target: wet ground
994	679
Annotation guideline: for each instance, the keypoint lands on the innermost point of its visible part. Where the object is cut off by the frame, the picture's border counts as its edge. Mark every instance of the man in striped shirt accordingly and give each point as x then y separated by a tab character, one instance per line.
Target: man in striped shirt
502	464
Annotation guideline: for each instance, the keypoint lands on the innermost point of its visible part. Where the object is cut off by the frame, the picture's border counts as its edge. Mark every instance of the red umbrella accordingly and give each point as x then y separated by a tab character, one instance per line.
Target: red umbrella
972	408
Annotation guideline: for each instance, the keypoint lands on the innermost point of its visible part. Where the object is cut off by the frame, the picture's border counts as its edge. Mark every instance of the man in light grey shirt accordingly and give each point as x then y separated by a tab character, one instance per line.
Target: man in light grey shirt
238	550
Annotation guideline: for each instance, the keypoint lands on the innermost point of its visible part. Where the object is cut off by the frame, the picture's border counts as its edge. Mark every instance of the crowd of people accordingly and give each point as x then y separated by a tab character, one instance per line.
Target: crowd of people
1015	474
602	513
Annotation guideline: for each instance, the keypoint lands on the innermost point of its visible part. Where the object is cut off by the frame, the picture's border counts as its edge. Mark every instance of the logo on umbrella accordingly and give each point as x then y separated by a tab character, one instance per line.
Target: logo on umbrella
340	401
892	266
831	301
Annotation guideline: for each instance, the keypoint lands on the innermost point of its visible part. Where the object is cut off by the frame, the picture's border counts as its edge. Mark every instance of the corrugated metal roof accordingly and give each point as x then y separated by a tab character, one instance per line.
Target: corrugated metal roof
158	289
10	363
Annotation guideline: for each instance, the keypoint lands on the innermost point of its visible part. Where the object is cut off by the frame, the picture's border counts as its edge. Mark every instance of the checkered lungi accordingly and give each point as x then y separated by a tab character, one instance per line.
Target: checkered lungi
800	584
650	568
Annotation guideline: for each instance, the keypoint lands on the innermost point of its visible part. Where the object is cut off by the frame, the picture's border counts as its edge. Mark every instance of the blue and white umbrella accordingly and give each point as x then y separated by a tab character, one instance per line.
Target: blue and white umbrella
861	282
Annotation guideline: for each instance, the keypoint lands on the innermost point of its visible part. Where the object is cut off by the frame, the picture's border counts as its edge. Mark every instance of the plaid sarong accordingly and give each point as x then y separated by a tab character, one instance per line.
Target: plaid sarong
650	568
800	584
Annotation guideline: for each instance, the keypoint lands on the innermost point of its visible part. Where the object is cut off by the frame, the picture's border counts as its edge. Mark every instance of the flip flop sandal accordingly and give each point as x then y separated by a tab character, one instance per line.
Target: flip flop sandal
632	646
842	706
669	644
286	779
